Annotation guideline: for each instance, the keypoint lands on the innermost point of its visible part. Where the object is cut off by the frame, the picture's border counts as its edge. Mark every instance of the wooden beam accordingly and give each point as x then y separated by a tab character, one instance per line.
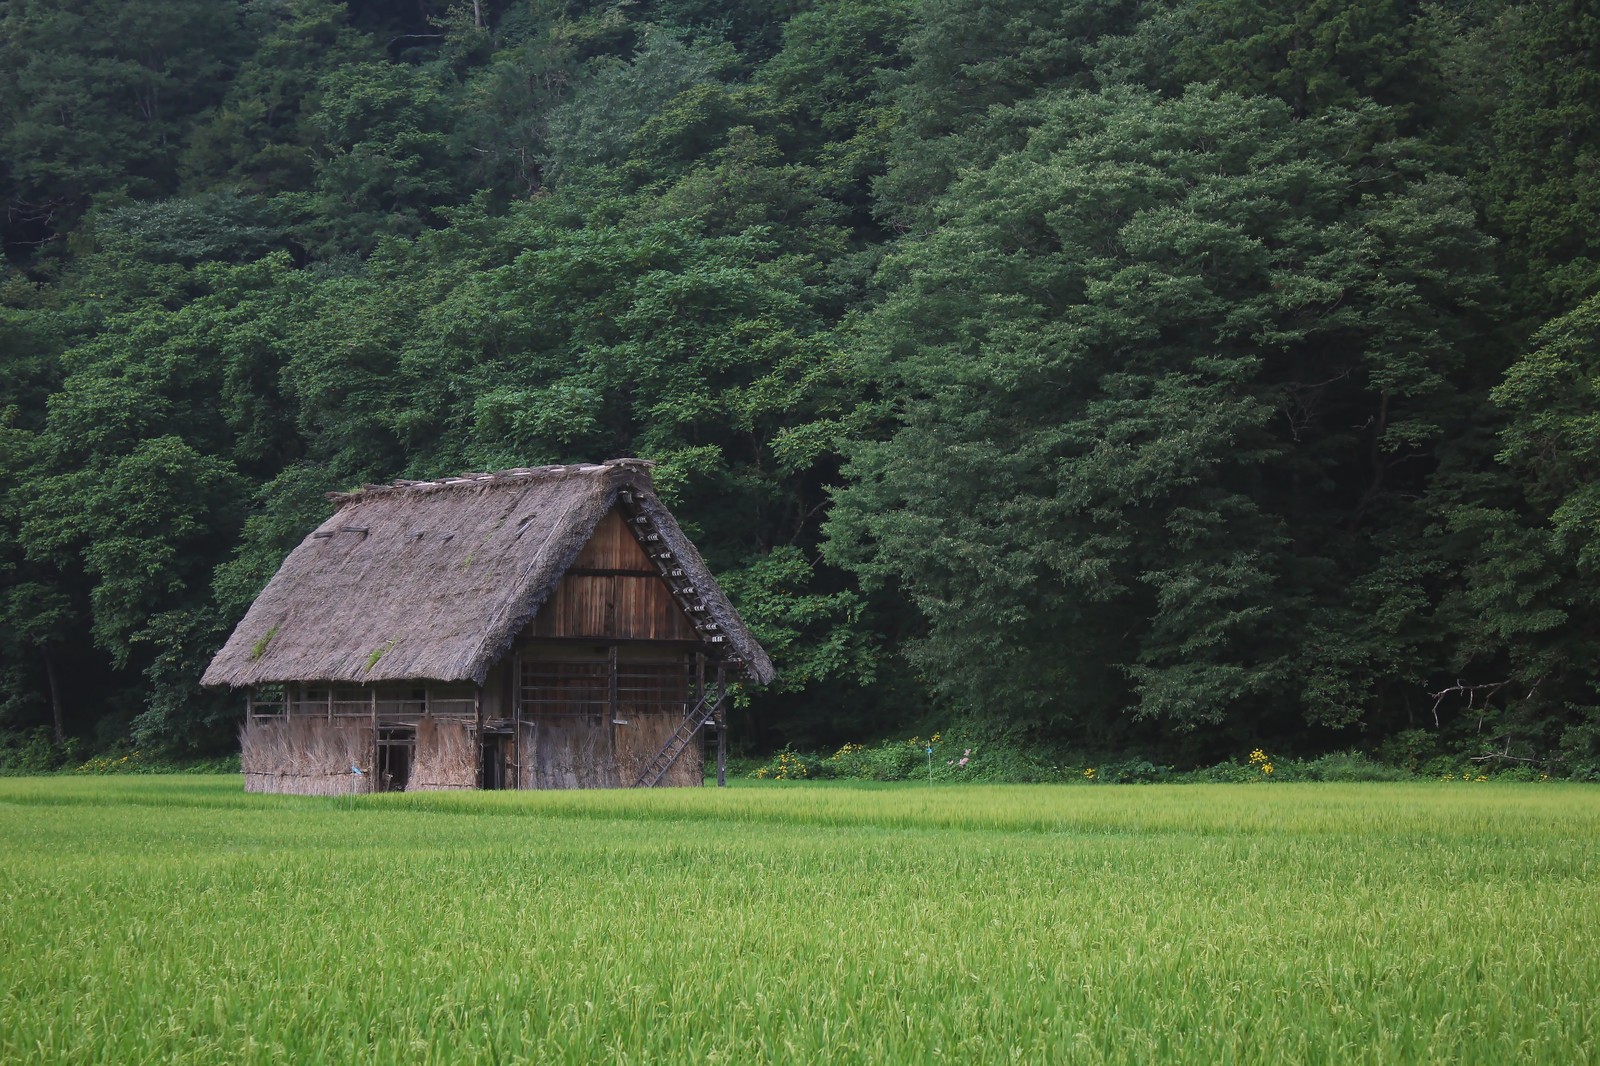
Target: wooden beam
601	571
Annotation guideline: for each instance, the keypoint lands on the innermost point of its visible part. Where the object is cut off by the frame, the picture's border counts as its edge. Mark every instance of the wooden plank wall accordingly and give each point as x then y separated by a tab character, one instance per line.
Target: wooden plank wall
571	737
568	753
613	592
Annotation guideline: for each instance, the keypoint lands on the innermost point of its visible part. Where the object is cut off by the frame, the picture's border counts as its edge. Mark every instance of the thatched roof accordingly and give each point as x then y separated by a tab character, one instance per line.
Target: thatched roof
434	580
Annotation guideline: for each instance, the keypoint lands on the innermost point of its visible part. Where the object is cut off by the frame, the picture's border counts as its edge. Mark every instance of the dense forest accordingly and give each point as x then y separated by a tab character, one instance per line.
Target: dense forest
1139	376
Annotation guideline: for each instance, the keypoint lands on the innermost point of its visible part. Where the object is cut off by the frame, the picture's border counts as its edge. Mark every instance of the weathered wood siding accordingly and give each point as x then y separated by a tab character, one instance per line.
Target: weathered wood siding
585	727
568	752
579	752
497	690
643	736
612	591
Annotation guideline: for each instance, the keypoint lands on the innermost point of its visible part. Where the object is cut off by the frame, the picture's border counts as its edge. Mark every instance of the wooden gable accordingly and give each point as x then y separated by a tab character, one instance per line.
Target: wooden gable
613	592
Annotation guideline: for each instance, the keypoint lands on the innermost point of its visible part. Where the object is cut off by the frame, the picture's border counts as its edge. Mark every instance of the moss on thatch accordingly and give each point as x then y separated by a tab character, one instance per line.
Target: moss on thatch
261	645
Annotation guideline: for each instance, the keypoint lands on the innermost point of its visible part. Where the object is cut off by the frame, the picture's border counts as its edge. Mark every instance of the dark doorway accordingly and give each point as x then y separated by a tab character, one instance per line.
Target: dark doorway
397	749
496	752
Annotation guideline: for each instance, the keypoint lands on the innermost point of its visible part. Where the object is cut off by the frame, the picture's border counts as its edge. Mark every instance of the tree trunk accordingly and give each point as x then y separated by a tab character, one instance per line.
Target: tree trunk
55	694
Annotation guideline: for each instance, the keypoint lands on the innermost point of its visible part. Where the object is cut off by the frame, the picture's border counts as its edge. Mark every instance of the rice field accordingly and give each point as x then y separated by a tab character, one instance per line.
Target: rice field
155	919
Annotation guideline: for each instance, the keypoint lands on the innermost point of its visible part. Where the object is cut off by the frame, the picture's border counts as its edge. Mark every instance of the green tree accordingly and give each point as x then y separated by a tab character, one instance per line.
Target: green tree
260	138
967	57
1541	173
1312	54
1152	381
612	99
386	162
1535	568
833	73
97	98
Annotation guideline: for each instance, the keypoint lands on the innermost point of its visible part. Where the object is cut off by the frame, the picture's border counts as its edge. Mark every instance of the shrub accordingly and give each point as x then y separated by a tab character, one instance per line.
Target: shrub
34	752
1133	771
788	766
1346	766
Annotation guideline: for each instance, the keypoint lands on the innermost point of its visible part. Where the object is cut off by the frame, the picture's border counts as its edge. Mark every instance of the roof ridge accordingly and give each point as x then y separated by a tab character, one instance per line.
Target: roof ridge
498	477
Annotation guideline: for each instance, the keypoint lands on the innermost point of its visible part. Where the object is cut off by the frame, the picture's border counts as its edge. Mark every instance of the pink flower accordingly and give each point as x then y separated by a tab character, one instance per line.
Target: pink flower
966	753
963	761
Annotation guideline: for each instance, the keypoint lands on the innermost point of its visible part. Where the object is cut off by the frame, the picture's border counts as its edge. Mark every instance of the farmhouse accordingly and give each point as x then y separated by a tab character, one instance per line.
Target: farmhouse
533	628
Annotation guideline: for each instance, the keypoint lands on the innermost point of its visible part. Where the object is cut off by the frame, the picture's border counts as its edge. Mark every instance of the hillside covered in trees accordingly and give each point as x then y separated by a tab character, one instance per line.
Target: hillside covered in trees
1150	377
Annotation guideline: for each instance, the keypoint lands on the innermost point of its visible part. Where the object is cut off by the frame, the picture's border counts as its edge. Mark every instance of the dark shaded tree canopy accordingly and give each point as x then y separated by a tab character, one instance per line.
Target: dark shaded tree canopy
1151	378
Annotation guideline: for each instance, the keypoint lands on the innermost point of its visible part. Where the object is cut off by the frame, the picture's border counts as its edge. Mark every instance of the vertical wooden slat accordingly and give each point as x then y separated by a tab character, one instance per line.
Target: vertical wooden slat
611	680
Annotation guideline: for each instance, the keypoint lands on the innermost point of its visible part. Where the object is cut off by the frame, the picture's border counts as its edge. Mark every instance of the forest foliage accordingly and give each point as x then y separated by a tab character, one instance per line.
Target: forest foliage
1151	379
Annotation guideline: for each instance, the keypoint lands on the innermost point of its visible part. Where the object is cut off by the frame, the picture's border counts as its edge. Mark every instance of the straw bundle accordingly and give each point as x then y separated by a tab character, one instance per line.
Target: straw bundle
447	756
306	756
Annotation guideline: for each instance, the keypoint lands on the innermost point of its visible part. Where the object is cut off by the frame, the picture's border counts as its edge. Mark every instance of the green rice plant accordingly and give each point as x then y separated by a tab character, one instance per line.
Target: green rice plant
156	919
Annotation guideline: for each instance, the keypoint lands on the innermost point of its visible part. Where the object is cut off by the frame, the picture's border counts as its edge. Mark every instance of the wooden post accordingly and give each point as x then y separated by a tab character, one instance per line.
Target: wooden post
612	709
721	718
516	716
330	701
373	766
477	708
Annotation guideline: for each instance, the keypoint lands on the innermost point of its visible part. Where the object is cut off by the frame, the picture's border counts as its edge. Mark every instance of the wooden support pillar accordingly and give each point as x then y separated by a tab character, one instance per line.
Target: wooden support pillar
721	718
516	717
613	707
372	767
477	709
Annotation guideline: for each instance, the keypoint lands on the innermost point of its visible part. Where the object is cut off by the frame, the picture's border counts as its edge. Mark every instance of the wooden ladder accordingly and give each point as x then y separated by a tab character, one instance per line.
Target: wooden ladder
697	717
